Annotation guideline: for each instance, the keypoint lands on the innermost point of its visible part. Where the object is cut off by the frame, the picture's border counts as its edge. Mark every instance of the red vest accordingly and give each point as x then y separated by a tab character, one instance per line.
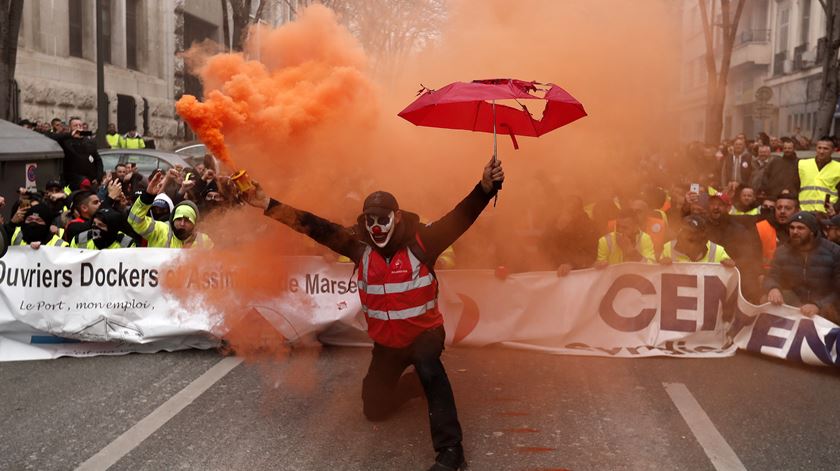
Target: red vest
399	299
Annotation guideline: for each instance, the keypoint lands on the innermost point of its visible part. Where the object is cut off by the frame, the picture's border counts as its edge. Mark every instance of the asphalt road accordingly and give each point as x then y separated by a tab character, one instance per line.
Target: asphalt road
522	411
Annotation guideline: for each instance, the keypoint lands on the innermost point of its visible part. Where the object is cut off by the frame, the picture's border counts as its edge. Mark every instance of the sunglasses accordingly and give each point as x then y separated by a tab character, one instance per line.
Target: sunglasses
381	220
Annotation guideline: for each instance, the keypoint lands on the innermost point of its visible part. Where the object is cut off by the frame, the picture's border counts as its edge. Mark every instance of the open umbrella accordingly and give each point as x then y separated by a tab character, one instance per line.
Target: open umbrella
472	106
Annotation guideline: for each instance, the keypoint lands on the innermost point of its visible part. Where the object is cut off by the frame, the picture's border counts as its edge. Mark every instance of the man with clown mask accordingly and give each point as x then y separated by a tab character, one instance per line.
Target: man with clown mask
395	256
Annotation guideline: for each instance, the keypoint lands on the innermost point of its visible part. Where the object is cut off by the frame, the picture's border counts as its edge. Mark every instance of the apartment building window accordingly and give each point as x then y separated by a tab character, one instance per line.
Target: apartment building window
782	31
131	9
106	31
790	123
805	23
75	20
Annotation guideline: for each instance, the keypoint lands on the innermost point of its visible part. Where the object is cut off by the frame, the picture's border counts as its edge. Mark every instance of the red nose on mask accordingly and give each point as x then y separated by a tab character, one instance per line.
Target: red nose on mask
376	230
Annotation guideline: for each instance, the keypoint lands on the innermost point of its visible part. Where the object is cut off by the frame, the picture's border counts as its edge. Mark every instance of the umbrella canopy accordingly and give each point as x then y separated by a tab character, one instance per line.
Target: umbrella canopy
470	106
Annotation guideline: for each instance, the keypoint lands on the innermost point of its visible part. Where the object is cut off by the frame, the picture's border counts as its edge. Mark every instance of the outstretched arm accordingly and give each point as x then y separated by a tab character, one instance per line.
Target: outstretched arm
442	233
337	238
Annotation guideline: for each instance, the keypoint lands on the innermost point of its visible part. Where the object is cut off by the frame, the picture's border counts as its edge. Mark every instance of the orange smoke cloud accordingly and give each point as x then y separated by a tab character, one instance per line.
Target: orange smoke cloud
299	110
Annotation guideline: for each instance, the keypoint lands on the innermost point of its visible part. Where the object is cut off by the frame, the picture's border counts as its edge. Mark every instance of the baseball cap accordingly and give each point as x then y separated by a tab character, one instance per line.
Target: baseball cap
694	223
380	203
833	222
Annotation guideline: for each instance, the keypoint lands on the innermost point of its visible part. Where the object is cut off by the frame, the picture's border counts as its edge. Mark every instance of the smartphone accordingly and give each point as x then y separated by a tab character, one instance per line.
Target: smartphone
86	133
694	188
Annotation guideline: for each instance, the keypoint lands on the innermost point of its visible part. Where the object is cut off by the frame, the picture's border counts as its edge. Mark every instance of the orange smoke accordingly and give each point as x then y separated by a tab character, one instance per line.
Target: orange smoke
299	110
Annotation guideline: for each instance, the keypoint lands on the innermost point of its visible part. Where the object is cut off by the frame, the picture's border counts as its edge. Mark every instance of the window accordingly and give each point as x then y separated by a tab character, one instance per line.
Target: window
808	121
782	31
106	31
76	27
131	9
790	123
805	22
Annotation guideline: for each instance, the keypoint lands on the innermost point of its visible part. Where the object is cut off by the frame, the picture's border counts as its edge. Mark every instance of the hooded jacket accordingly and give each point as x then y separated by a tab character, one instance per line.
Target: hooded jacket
158	233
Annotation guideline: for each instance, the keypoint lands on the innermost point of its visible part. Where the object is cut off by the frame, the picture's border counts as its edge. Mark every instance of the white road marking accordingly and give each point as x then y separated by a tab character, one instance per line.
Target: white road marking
714	445
132	437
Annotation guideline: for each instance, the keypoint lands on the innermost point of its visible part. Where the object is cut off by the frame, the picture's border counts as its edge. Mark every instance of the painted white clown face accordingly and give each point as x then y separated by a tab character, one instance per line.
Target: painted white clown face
380	228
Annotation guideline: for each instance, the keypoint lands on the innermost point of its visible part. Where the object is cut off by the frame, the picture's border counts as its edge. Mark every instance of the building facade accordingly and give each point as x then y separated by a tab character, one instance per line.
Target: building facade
778	45
144	76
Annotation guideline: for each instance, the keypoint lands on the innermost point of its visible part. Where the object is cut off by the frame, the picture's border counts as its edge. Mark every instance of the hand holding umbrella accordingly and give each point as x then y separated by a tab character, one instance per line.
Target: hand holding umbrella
493	175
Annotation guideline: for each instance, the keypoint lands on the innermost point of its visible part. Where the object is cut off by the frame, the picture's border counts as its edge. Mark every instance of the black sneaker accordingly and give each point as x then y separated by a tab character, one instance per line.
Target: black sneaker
450	459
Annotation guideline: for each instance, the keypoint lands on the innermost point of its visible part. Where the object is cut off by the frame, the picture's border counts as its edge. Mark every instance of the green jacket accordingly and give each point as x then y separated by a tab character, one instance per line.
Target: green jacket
158	233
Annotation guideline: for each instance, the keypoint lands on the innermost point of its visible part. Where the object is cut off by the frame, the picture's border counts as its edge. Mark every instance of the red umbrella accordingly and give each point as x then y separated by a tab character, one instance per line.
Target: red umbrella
472	106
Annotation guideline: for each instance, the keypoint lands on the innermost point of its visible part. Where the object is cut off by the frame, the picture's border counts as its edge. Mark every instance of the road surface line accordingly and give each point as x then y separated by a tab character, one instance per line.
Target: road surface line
714	445
132	437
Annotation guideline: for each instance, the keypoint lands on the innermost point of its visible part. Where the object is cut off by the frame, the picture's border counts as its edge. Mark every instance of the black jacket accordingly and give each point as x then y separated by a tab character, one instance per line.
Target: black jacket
813	276
745	161
80	156
782	173
352	241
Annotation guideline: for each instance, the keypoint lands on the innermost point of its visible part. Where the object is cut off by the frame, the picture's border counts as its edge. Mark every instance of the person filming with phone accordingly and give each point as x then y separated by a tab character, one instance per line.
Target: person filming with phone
81	160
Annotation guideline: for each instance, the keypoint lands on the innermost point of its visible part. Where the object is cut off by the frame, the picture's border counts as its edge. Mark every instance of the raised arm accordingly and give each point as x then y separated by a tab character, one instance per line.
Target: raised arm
329	234
442	233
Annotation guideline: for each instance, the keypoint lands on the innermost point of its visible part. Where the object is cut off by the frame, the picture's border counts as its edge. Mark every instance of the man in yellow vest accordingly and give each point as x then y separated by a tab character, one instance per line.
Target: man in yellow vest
115	141
819	179
693	246
35	229
179	232
133	140
626	244
104	233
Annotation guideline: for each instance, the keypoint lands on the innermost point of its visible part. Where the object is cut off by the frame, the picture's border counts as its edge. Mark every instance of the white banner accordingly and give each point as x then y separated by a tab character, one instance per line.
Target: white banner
59	301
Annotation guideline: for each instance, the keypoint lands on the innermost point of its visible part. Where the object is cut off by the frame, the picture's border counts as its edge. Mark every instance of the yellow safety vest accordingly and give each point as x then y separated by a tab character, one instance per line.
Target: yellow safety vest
83	241
814	184
735	212
134	143
115	141
159	233
609	251
56	241
714	253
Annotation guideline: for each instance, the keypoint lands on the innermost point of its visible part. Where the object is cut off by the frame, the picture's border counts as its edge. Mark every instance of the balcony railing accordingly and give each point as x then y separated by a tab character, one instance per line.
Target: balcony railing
749	36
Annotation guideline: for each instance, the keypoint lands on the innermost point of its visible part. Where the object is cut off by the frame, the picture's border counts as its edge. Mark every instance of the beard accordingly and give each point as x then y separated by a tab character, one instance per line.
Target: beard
801	241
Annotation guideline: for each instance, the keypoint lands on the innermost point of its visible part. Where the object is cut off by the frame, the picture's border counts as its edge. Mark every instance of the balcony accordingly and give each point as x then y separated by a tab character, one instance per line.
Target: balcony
752	47
751	36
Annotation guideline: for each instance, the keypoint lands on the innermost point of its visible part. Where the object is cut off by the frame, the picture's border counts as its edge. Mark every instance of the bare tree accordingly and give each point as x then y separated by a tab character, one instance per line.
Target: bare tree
830	88
390	30
241	19
718	74
11	11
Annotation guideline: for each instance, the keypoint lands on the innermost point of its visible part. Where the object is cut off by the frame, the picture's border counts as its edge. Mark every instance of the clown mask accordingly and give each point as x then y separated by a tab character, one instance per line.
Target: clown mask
380	228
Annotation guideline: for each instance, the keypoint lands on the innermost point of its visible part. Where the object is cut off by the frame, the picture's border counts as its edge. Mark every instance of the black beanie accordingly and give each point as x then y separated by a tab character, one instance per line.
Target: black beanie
808	219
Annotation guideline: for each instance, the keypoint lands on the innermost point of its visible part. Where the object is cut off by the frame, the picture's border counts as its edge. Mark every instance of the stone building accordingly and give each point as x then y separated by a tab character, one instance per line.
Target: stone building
56	62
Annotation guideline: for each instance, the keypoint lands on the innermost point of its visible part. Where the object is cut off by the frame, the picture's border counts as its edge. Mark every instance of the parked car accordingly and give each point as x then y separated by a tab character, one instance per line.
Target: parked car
147	160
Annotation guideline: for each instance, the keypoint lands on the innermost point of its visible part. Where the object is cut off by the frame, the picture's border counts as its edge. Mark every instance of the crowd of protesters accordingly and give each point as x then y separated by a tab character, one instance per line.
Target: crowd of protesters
96	208
768	206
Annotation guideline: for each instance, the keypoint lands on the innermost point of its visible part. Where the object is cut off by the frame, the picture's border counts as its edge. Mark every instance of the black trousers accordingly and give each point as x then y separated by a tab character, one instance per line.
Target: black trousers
385	388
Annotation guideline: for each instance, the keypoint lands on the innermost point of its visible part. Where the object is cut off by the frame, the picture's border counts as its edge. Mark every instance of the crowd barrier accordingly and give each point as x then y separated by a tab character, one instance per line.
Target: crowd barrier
58	302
